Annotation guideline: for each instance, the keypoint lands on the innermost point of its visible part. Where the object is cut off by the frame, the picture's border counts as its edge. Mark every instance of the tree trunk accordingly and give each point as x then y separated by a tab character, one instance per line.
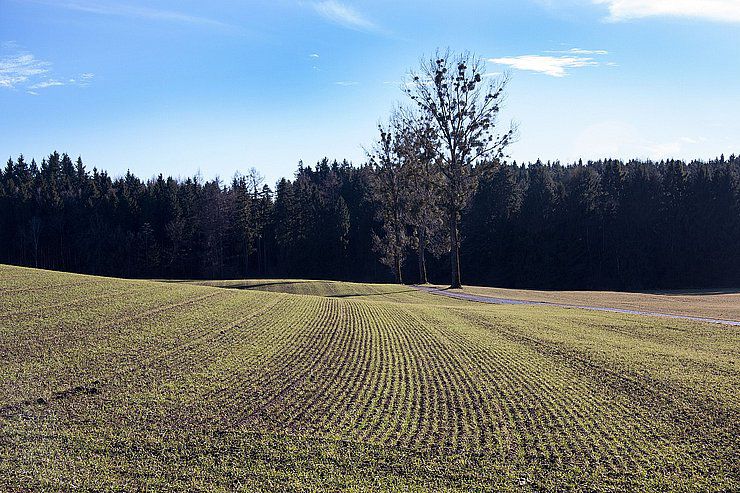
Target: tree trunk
454	252
35	235
246	260
422	257
399	278
259	254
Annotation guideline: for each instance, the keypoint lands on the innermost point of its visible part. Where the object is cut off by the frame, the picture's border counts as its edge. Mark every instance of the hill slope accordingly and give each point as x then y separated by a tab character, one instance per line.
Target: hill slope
116	384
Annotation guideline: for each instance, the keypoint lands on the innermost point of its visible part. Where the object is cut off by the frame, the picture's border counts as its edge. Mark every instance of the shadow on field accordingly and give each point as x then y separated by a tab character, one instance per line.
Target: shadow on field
265	284
695	292
352	295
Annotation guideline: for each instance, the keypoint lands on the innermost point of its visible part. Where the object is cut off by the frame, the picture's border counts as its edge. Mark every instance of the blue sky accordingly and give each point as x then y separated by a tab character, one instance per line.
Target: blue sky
221	86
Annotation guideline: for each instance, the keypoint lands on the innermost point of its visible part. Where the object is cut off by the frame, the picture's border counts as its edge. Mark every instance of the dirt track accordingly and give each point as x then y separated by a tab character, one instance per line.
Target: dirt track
509	301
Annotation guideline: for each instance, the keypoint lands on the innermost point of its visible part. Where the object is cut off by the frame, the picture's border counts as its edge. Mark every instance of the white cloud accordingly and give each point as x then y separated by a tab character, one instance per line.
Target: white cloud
555	66
49	83
579	51
9	45
624	140
693	141
120	10
715	10
343	15
20	67
663	150
85	79
346	83
313	55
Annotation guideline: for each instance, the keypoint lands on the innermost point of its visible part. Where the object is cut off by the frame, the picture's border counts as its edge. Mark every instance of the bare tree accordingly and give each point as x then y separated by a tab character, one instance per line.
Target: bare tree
462	106
390	191
425	183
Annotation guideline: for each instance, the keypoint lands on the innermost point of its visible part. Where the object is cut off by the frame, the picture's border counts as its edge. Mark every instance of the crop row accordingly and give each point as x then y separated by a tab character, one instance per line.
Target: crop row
469	382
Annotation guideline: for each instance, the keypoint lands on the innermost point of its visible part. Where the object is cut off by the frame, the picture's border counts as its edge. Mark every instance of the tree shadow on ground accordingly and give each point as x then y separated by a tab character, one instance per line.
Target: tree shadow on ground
694	292
263	284
352	295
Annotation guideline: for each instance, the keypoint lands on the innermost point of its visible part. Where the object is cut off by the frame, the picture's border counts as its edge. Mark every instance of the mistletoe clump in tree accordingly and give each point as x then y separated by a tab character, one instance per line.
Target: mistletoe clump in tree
461	107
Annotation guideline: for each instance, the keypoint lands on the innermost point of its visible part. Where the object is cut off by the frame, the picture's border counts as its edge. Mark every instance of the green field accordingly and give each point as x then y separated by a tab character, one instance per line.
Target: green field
110	384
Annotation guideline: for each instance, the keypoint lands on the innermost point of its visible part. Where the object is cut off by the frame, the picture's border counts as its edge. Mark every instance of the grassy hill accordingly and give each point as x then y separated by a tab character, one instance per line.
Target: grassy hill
110	384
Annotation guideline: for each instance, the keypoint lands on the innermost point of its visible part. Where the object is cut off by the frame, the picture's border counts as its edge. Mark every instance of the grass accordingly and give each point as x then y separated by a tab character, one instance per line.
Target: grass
330	289
110	384
719	304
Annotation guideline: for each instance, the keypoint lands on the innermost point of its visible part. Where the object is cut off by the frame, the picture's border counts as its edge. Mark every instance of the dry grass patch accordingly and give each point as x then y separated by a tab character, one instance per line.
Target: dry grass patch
719	304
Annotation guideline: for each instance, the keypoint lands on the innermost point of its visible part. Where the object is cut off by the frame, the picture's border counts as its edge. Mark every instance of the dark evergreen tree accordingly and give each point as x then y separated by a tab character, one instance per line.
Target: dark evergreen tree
603	224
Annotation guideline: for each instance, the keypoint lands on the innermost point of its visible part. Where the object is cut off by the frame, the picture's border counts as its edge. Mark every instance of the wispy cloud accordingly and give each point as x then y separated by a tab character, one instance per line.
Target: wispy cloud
49	83
714	10
343	15
313	55
21	69
9	45
555	66
136	12
579	51
622	139
82	81
692	140
18	68
346	83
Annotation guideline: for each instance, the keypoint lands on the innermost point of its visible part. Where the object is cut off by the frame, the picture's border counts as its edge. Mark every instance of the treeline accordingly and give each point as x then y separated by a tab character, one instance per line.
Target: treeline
603	224
436	182
607	225
59	215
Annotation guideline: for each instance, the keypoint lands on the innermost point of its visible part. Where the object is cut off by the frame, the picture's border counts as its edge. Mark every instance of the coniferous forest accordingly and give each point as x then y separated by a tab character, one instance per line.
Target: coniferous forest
605	224
436	200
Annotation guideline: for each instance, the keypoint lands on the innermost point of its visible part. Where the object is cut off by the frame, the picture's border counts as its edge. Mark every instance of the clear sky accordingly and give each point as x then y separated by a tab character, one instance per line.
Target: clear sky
221	86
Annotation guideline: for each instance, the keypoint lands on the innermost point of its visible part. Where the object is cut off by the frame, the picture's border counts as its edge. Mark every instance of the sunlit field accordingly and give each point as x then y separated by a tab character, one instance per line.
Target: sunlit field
110	384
